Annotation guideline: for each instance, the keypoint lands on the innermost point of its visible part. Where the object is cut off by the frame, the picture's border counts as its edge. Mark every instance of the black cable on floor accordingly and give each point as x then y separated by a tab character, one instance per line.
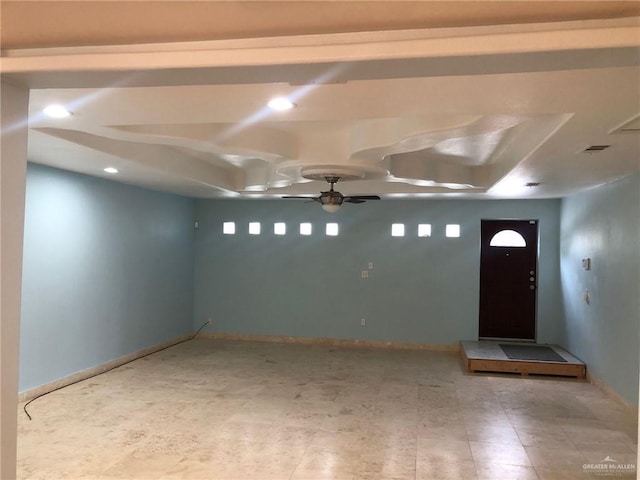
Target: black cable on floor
113	368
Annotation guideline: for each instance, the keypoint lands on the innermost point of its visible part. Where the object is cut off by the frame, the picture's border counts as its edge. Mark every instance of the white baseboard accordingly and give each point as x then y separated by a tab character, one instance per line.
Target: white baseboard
93	371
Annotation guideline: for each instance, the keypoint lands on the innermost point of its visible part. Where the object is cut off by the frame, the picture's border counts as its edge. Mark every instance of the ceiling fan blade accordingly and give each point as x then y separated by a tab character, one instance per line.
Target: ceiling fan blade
360	198
308	199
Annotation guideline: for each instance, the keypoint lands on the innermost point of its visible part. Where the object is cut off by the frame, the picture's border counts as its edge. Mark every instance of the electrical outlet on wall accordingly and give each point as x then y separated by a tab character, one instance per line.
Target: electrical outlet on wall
363	321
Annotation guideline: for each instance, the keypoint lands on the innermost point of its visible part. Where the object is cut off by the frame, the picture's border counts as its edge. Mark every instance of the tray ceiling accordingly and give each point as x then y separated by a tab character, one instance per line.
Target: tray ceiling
438	102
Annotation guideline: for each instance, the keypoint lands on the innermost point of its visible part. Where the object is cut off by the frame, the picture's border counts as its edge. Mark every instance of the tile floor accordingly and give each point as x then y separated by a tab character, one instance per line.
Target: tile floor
210	409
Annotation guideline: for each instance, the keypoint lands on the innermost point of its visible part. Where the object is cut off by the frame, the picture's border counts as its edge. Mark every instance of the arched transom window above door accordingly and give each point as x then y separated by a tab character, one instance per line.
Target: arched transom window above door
507	238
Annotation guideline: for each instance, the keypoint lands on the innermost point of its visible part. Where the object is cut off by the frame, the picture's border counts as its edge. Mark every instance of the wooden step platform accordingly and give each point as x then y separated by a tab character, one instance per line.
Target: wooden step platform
487	356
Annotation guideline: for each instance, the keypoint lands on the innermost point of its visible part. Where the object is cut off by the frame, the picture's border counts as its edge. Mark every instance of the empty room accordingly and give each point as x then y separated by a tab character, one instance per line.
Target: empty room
320	240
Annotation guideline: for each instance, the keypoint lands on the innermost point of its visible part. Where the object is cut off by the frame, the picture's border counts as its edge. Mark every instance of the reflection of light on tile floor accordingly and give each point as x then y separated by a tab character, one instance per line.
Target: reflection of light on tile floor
221	409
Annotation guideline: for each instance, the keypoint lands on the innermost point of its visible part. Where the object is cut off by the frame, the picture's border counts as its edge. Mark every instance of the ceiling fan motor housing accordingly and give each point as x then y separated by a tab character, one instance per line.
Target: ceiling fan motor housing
331	198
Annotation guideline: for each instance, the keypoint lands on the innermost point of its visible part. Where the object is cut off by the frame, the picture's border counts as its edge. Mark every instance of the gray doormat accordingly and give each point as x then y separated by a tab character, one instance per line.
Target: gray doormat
540	353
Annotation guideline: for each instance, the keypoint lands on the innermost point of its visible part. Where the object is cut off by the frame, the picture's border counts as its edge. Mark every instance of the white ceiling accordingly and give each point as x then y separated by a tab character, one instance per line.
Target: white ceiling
453	110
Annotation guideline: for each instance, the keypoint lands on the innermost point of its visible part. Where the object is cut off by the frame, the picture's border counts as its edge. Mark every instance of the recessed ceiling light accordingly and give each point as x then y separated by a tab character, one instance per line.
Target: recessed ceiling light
56	111
111	170
280	104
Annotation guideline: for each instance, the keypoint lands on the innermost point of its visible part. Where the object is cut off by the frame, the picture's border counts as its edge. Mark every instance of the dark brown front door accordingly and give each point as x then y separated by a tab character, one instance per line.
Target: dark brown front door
508	279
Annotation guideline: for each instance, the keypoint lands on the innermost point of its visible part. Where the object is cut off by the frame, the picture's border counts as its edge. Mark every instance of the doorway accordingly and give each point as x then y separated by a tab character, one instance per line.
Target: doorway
508	279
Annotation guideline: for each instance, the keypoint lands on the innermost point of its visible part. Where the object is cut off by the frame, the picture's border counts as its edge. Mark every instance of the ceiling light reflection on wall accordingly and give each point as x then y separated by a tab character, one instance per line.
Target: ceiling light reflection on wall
280	104
56	111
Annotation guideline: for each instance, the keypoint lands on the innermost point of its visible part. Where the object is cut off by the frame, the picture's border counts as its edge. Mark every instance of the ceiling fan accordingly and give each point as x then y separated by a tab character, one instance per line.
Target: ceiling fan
331	200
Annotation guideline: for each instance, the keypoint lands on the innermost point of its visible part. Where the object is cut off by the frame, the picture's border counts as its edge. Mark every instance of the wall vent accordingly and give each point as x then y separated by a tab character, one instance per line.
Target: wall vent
596	148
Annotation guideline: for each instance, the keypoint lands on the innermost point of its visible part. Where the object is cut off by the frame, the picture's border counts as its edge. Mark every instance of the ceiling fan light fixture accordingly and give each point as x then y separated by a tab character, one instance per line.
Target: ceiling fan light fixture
331	201
331	207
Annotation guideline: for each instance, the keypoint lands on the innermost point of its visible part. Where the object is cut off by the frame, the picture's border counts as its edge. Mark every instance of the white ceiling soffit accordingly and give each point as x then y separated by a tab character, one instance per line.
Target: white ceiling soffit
32	24
470	111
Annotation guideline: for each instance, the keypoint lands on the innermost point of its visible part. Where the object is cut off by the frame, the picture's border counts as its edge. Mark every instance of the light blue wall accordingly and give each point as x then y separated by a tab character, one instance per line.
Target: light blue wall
603	224
422	290
108	270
